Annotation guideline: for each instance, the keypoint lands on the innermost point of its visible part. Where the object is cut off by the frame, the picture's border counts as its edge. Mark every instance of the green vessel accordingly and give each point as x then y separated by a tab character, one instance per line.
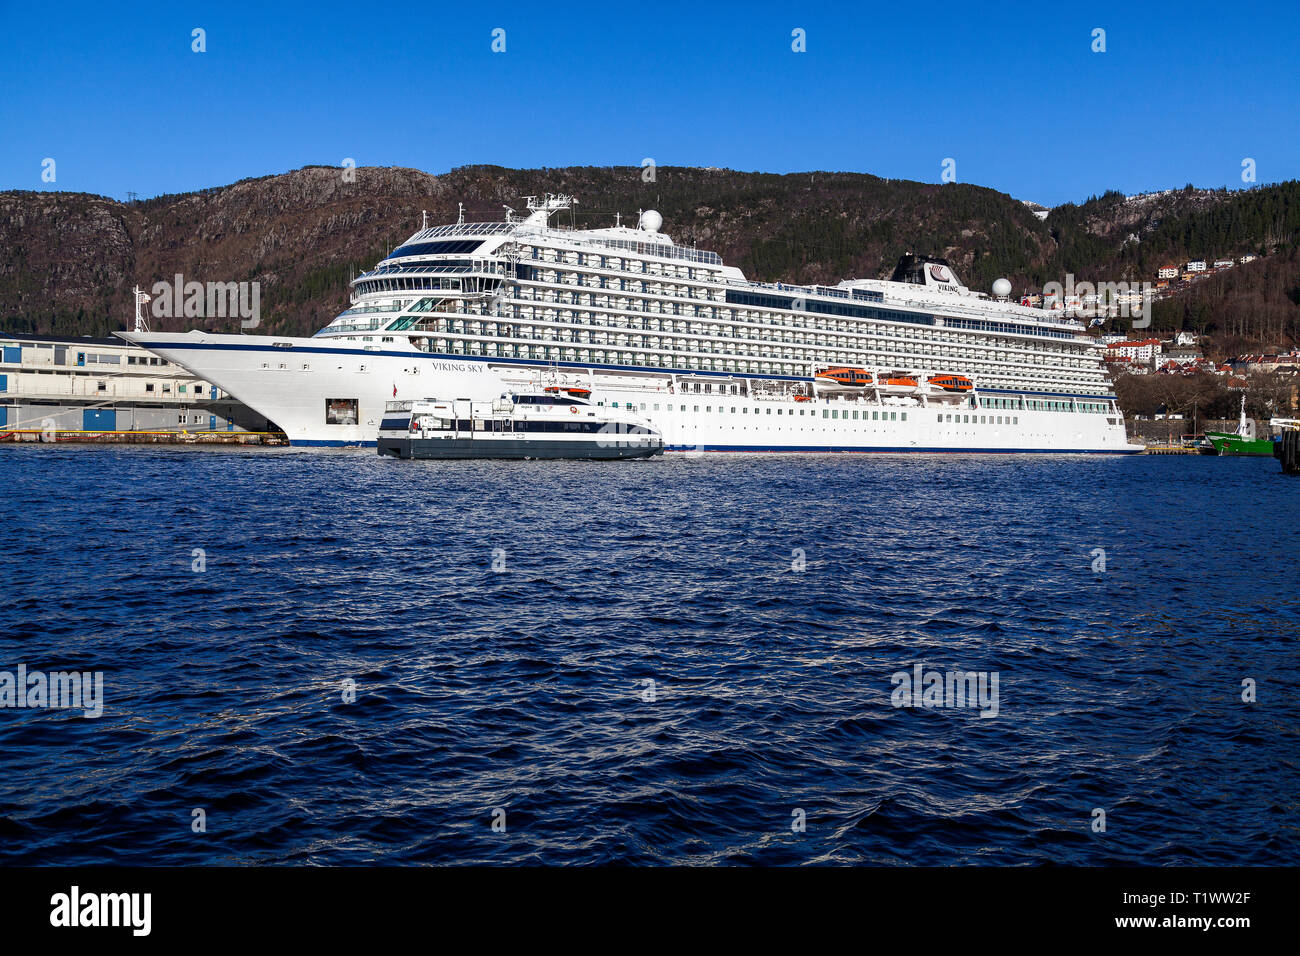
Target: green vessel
1241	442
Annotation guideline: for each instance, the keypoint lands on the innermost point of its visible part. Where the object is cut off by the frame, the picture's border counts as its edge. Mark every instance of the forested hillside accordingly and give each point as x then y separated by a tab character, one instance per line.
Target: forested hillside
68	261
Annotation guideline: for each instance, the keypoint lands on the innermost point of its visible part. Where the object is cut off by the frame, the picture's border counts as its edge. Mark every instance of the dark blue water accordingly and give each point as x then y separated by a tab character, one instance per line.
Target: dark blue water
525	691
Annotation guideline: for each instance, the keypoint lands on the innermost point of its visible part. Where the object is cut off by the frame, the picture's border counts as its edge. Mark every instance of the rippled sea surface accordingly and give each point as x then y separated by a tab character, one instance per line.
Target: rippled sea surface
674	661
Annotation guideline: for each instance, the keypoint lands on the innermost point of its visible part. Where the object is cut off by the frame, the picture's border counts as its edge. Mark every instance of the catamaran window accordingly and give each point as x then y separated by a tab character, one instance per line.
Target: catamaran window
904	416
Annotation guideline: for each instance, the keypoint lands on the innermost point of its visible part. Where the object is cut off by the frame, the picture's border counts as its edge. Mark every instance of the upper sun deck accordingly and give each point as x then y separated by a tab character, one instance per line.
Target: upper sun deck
934	290
639	241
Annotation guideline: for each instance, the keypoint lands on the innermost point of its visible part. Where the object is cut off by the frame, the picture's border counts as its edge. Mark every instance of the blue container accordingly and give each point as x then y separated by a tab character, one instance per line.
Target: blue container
99	419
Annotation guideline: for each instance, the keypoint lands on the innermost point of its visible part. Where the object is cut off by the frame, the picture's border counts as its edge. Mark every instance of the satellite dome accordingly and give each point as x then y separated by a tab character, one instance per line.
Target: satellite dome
1001	288
651	220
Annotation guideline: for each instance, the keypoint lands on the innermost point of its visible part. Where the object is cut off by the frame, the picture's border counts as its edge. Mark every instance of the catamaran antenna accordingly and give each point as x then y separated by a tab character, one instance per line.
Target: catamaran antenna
424	223
460	214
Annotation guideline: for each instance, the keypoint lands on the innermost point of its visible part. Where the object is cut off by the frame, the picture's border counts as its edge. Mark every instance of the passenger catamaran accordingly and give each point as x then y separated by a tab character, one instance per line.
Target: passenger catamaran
471	311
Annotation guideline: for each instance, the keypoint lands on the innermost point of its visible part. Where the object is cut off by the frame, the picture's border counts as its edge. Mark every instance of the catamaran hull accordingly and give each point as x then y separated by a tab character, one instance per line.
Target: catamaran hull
514	449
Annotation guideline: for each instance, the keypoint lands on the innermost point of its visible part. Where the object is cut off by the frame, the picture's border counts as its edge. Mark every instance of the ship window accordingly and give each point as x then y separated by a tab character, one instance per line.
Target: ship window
893	416
904	416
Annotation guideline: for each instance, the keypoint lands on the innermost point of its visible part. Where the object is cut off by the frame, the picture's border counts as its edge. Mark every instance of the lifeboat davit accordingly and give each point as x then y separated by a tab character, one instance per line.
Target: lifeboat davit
951	383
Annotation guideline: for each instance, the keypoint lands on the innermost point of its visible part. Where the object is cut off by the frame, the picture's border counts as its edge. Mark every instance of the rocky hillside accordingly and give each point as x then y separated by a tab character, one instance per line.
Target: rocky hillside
68	261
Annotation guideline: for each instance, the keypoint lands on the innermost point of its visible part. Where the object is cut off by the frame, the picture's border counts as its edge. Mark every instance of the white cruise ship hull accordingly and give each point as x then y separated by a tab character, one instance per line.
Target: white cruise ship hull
301	383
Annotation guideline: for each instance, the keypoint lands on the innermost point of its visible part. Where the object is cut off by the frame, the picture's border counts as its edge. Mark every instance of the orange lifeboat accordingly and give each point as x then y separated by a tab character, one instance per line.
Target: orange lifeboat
951	383
844	375
901	381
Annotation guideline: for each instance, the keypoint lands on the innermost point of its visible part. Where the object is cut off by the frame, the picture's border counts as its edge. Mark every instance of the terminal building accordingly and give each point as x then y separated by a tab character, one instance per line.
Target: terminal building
78	385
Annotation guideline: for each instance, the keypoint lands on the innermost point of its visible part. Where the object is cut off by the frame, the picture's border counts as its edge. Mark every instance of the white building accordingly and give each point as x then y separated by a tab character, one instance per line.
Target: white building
1167	272
85	384
1143	352
1197	265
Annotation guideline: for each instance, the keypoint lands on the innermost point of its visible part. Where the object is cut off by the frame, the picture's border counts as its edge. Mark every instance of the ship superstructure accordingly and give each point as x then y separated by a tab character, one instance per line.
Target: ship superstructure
916	362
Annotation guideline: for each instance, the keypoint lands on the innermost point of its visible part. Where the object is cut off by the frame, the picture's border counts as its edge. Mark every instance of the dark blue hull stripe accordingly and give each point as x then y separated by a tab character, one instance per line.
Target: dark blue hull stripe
811	449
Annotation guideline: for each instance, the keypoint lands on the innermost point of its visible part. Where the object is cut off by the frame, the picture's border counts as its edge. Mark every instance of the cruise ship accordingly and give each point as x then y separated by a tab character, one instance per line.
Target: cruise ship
715	362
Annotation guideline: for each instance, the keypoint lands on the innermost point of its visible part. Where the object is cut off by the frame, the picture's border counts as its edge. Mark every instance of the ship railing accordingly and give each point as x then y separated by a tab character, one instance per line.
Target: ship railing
465	229
928	305
639	246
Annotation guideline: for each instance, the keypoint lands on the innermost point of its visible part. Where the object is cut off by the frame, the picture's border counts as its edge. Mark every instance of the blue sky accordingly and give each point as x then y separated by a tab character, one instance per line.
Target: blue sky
1184	92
